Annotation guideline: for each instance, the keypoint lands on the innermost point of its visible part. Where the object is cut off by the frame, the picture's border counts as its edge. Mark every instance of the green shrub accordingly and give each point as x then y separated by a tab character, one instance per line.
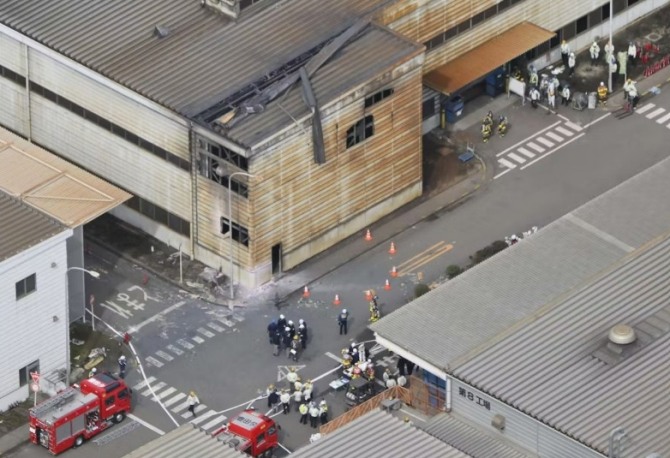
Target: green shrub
488	251
453	270
420	289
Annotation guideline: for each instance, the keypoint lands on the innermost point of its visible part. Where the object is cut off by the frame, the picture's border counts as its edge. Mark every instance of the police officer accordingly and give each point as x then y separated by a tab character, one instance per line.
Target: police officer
323	411
302	334
594	51
287	337
292	327
272	329
281	322
572	61
314	413
304	412
122	366
342	321
276	340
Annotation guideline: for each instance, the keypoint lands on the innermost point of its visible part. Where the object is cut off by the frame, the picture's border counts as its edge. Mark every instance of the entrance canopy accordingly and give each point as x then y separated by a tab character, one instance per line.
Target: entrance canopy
475	64
54	186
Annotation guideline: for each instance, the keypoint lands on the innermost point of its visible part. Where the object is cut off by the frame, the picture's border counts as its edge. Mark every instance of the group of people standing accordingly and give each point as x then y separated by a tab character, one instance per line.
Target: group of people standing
283	334
299	395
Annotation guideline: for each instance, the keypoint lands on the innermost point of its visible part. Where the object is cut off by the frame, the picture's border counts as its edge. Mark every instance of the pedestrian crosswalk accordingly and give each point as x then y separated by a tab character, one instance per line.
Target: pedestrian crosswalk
544	143
652	112
206	419
211	329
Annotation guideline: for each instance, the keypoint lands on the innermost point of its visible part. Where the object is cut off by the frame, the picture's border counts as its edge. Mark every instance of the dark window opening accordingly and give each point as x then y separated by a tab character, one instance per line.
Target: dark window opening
556	40
463	26
619	6
632	2
12	76
568	31
26	286
111	127
582	24
490	12
24	372
160	215
606	11
595	17
503	5
378	97
363	129
240	233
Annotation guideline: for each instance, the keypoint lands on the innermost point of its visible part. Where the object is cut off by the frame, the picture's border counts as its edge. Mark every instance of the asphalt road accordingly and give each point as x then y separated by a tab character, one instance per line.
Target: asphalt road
230	360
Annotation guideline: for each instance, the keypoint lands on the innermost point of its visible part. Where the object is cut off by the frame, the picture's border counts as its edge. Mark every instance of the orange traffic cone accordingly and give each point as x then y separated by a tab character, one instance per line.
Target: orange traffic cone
394	272
368	236
387	285
336	301
305	292
368	295
392	249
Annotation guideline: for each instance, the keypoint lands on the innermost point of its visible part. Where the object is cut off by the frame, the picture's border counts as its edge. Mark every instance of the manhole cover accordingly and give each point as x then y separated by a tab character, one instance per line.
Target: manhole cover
654	37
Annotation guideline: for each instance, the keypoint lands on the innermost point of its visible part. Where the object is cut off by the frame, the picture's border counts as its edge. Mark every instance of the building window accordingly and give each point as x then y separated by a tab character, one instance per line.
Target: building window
362	130
26	286
378	97
217	169
582	24
632	2
12	76
619	6
240	233
595	17
605	11
556	39
24	372
111	127
160	215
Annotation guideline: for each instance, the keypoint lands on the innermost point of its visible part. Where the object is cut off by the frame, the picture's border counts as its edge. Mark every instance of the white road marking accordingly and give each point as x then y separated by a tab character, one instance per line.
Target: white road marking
165	394
332	356
237	317
655	113
553	151
175	350
502	173
506	163
216	421
149	320
158	386
529	138
216	327
198	339
160	432
180	407
154	362
376	349
174	399
516	157
564	131
206	333
663	119
144	383
597	120
198	408
545	142
536	147
645	108
573	126
554	136
187	345
201	418
227	322
164	355
526	153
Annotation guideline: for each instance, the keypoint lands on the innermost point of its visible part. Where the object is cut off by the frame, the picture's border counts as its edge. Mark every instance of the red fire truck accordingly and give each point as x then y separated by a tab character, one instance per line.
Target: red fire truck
250	432
79	412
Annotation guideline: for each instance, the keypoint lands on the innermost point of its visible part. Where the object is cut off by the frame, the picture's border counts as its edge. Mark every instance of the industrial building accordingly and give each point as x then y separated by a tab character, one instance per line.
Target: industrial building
256	134
558	344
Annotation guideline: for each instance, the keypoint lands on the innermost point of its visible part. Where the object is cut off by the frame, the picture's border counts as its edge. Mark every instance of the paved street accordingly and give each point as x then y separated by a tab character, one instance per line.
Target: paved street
188	344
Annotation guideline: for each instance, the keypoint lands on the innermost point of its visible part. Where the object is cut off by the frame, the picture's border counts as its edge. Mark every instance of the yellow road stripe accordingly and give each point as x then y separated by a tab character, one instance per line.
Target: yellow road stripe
426	260
423	253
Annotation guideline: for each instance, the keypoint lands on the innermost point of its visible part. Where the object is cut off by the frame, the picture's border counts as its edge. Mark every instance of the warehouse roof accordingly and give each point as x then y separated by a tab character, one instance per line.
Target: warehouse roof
22	227
204	57
187	440
54	186
378	434
471	439
460	319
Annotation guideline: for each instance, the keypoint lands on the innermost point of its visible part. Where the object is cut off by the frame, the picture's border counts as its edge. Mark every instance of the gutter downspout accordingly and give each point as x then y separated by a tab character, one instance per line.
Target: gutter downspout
447	405
29	118
194	187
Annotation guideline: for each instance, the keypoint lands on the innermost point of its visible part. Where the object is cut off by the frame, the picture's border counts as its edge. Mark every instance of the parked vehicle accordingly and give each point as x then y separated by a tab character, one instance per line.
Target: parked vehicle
250	432
79	412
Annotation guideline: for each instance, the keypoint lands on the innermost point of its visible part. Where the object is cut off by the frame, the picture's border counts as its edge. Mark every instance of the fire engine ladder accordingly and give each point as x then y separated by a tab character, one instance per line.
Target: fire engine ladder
55	402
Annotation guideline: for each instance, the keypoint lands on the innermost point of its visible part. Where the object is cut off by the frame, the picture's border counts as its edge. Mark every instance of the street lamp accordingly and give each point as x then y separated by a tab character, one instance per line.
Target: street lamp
230	225
67	316
609	72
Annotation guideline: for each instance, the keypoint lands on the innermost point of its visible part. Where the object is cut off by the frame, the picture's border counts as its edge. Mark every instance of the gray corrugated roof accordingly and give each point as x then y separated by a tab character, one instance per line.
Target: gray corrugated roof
205	56
22	227
470	439
462	318
187	440
378	435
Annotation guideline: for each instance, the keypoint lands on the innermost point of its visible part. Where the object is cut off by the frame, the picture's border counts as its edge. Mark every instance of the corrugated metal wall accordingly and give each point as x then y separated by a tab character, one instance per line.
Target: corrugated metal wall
13	113
299	200
519	427
111	157
111	105
12	55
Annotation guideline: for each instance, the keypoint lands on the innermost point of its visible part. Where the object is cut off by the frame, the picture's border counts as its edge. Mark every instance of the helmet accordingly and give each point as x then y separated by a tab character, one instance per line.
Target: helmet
287	329
323	402
301	321
302	326
602	84
122	358
295	337
344	310
290	323
282	317
94	370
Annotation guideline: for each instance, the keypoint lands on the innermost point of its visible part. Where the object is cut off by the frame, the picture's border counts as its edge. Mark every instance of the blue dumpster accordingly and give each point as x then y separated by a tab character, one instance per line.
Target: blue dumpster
454	108
495	82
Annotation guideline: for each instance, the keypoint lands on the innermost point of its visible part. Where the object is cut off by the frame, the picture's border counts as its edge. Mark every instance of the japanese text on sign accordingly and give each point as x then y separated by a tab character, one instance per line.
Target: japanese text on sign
470	396
124	306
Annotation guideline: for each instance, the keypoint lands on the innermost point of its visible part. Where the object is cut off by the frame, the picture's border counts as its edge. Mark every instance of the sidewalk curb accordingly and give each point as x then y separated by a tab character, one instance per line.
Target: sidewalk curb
154	272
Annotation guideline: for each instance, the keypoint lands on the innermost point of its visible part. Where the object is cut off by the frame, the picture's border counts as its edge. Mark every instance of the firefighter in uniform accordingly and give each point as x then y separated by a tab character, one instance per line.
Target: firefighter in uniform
594	51
602	94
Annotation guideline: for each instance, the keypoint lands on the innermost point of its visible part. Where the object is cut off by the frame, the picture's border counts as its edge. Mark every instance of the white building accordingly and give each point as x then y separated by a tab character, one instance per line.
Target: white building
33	316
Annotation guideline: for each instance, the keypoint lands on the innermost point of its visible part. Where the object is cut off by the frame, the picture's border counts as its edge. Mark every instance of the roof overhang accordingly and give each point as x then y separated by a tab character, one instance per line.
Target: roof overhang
477	63
52	185
433	369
